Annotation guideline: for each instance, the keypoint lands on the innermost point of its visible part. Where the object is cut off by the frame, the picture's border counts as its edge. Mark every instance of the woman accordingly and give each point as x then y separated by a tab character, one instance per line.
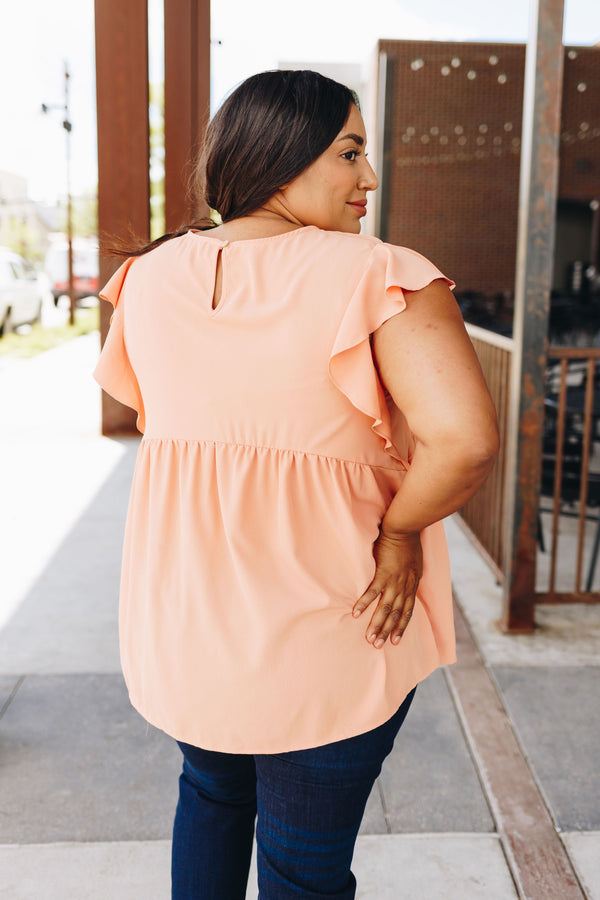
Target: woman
285	582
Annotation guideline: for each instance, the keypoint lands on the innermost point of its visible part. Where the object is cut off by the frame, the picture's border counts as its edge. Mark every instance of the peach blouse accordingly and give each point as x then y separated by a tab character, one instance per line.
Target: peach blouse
268	460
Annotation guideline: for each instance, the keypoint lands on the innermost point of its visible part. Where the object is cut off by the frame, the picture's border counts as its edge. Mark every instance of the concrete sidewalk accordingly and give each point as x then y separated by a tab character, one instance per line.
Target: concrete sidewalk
88	789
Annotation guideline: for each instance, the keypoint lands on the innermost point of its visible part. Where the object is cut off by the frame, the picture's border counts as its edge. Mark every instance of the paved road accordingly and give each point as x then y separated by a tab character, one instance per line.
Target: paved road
88	790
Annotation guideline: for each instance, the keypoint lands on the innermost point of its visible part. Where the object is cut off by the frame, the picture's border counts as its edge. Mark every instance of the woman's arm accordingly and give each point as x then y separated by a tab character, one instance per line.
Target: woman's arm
427	363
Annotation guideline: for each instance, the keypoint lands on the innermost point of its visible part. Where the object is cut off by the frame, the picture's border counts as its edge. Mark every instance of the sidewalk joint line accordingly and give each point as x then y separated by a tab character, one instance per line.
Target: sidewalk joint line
12	695
386	814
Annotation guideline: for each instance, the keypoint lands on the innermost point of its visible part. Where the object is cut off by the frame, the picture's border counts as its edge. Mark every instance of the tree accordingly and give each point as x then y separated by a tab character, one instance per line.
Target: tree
157	160
85	215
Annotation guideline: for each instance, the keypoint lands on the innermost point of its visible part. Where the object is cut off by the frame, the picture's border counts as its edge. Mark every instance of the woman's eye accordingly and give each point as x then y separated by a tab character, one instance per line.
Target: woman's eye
350	155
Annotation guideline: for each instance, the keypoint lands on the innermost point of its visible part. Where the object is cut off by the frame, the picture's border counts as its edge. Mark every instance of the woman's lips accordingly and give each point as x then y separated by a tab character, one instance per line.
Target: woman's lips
360	206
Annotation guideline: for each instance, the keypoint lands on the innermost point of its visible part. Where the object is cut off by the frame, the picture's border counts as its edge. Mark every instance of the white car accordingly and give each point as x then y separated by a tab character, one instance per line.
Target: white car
21	292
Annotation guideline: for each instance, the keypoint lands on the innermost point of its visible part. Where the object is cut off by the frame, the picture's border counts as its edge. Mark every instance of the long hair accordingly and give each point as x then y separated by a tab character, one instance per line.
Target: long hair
266	132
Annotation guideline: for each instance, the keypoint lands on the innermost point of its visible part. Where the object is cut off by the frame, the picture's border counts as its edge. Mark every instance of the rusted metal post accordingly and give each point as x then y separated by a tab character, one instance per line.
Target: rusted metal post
187	102
595	238
535	257
123	150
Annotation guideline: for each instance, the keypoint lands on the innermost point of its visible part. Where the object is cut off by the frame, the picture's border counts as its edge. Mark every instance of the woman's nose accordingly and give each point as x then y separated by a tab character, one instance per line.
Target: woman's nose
368	180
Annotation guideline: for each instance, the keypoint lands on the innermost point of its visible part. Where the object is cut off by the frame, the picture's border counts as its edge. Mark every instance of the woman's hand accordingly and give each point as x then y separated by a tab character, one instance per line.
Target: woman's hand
399	567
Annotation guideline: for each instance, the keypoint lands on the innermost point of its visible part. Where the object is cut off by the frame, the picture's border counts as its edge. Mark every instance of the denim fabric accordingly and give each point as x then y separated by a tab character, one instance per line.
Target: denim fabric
308	806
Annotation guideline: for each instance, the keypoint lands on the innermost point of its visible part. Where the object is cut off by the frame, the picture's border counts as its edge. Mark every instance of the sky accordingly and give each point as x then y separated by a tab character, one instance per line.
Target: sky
37	36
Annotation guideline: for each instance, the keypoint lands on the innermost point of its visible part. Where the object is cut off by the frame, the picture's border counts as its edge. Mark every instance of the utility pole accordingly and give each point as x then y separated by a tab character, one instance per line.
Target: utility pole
67	125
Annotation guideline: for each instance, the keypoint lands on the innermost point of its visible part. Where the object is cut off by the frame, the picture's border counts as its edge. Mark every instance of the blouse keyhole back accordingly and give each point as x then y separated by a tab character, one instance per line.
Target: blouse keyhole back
268	459
218	279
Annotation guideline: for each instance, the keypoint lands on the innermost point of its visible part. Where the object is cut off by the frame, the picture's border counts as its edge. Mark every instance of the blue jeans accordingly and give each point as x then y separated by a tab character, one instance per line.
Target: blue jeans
309	805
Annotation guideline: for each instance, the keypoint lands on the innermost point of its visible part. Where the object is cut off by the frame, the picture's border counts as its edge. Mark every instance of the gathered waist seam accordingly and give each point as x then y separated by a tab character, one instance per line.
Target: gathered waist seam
158	440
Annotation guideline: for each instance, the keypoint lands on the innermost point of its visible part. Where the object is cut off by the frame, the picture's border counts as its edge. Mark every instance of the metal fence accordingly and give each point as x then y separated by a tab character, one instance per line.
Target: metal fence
569	512
570	487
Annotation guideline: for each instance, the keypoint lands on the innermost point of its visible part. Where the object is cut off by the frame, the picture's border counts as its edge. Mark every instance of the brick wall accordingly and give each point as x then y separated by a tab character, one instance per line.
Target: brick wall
580	126
454	153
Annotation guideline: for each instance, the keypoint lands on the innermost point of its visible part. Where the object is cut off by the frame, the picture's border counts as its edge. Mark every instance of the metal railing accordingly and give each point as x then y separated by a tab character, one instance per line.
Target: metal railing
569	512
570	501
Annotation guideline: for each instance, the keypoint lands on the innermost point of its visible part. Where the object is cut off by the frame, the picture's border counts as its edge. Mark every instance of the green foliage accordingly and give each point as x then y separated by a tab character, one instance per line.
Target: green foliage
24	240
157	160
85	216
39	338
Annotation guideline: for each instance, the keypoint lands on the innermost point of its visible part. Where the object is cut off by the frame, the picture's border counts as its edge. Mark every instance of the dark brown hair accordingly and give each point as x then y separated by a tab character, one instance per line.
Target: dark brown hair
267	131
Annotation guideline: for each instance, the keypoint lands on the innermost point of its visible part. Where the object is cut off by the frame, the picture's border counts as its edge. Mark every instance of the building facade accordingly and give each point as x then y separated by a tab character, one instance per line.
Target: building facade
448	147
25	226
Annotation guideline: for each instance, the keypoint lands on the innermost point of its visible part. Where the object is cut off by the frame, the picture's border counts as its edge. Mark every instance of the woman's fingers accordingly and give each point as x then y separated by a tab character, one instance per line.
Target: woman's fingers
405	618
367	598
392	614
398	570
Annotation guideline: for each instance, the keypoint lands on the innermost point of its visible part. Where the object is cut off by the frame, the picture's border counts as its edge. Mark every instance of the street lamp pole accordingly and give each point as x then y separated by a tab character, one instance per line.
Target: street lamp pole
67	125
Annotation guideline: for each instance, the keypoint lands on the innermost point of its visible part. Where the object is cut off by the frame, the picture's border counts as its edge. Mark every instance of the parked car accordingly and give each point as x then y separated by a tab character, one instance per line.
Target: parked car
21	292
85	267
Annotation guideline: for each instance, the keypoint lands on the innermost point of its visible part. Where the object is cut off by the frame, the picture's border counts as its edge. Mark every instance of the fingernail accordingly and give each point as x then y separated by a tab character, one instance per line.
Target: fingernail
379	642
372	637
356	613
396	639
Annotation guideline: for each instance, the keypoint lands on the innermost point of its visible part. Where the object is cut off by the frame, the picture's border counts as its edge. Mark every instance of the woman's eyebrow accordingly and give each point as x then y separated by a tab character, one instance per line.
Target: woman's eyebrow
352	137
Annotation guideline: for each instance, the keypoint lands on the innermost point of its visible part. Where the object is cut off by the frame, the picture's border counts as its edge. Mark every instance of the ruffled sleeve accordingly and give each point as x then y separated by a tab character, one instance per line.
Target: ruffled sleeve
114	372
378	296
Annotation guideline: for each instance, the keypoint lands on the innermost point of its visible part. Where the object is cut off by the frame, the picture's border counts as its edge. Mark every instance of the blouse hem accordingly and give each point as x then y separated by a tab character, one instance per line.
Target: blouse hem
270	748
